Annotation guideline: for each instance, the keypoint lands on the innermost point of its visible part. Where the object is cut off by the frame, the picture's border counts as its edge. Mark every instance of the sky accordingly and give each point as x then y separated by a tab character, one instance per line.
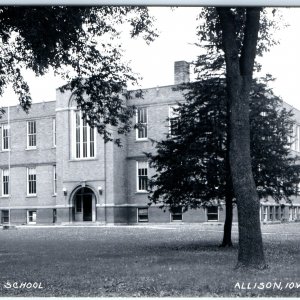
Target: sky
177	27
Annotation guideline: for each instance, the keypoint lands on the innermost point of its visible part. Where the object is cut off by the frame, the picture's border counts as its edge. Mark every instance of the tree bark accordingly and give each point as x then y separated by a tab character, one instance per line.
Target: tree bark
229	193
228	223
239	70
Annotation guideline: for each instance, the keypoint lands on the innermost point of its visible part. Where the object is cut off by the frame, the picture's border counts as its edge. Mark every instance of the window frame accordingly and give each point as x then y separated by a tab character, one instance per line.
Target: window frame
7	136
139	220
296	138
144	124
290	213
277	213
282	211
7	182
218	213
265	213
78	146
3	212
33	134
28	182
138	176
271	213
174	213
28	216
172	116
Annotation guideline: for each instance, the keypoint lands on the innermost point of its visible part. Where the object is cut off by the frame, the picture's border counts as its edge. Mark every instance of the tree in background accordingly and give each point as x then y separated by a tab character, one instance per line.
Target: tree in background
241	34
192	165
80	44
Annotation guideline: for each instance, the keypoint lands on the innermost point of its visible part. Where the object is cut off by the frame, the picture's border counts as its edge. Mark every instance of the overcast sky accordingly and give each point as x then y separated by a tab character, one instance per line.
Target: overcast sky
177	35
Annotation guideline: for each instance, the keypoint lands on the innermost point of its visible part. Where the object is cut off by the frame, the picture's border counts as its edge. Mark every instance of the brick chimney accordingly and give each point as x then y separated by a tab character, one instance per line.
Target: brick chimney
181	72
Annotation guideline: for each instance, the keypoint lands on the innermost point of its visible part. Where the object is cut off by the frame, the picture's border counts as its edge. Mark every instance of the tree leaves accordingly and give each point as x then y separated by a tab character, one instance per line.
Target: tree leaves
191	166
81	45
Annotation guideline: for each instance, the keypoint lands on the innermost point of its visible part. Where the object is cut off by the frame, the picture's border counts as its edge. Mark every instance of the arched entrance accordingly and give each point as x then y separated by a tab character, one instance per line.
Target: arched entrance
84	208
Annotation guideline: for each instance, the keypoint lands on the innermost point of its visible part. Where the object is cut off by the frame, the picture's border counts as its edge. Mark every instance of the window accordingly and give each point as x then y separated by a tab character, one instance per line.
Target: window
54	132
142	176
31	181
281	212
295	213
265	211
5	137
54	180
5	182
212	213
296	138
142	214
31	134
176	214
84	138
277	215
173	120
31	216
271	213
4	216
142	120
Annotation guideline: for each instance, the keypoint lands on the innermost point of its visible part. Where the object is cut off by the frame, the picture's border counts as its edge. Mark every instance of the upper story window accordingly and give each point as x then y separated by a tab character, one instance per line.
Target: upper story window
54	132
142	121
173	120
31	134
142	176
296	138
31	181
5	182
83	137
5	137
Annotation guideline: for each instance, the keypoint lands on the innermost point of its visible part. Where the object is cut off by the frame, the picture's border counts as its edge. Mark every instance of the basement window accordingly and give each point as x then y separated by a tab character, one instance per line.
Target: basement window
142	215
176	214
212	213
5	217
31	216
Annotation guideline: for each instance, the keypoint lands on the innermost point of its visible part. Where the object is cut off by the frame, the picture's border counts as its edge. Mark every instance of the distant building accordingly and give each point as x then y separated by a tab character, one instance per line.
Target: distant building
56	169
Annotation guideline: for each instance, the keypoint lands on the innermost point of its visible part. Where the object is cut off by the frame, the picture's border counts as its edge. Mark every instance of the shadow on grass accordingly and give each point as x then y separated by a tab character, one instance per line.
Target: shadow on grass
197	246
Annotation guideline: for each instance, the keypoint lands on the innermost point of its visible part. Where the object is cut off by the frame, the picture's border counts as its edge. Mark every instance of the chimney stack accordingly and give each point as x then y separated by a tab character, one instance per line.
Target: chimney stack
181	72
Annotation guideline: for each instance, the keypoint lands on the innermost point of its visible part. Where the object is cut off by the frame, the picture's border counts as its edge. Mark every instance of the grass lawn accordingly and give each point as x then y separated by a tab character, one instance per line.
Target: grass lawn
169	260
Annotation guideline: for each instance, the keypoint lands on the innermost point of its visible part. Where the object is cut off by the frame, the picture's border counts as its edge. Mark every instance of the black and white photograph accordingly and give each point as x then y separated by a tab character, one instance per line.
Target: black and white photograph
149	150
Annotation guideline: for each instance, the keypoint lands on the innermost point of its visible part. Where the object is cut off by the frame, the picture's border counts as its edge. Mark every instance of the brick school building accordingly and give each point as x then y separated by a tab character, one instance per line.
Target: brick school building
55	169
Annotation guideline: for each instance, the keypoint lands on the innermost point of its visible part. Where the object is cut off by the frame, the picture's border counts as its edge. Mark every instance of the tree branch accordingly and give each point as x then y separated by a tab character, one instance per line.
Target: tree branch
229	40
248	51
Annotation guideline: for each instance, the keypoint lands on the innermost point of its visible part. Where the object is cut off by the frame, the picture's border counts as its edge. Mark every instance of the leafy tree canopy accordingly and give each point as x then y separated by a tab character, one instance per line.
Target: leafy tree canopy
191	169
209	32
79	43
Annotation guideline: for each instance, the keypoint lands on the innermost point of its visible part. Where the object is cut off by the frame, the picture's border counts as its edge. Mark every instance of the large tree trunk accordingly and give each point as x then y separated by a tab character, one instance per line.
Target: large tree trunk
250	238
239	69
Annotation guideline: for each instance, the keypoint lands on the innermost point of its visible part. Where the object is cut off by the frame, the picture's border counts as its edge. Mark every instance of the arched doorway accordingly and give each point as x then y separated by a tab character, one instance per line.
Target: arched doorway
84	208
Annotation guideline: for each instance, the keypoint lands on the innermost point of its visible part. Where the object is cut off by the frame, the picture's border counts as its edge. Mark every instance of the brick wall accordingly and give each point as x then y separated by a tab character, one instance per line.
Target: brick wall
42	158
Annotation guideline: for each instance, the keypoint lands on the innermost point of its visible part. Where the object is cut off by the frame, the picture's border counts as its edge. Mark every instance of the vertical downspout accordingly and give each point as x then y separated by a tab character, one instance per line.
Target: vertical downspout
9	149
104	194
